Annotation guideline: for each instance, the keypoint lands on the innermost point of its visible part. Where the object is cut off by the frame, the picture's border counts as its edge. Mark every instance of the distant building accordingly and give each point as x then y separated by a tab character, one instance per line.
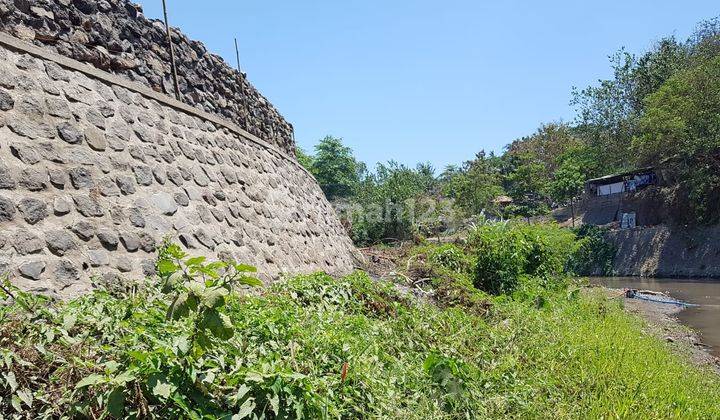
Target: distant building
629	181
612	199
503	200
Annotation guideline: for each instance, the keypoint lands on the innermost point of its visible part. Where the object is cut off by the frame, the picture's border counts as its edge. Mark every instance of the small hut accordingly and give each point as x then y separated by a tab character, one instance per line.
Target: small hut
502	201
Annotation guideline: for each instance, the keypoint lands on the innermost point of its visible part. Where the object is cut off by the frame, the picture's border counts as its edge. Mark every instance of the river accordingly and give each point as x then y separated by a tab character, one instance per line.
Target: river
705	318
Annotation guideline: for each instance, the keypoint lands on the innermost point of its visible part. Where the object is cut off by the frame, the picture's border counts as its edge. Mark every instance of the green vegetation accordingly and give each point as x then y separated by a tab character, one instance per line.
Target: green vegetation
593	254
506	254
188	344
660	108
389	200
568	184
682	123
334	167
474	186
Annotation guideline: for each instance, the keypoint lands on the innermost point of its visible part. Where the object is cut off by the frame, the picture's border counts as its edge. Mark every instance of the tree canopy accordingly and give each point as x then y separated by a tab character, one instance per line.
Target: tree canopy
660	108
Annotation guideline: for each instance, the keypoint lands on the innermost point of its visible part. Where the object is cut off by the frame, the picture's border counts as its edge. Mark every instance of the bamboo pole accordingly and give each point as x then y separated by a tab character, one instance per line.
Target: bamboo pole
172	53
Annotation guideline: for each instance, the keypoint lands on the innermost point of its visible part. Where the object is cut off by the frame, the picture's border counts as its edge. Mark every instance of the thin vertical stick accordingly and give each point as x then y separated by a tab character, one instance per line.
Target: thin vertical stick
237	55
242	84
172	53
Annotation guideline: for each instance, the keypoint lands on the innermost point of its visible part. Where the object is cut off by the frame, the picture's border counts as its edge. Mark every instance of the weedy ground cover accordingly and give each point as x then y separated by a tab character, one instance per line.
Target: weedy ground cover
191	344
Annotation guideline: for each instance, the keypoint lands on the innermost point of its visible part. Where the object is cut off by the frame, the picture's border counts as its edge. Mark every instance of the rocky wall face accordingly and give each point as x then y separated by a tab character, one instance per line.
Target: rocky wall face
94	176
113	35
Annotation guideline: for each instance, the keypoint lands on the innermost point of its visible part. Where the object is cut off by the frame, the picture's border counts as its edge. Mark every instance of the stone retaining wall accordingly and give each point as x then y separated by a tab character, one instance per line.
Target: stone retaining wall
113	35
661	251
94	175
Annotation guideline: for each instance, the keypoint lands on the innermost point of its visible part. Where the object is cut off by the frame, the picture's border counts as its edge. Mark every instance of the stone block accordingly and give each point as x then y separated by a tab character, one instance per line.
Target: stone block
32	210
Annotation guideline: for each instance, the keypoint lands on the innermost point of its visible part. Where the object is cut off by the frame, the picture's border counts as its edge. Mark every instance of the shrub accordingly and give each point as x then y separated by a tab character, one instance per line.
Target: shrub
505	252
450	257
594	255
446	269
151	353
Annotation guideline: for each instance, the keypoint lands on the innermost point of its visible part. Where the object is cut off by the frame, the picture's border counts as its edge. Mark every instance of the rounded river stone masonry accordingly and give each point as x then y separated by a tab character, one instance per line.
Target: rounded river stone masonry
94	176
115	36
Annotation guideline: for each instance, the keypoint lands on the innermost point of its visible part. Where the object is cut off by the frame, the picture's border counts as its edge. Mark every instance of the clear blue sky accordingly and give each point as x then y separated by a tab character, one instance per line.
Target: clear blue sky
426	80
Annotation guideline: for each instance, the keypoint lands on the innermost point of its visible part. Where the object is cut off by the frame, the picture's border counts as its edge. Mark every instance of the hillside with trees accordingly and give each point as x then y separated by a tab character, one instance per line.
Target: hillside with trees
661	108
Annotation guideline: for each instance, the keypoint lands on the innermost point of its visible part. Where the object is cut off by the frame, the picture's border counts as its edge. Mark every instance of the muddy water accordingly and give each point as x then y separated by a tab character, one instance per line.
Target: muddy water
705	319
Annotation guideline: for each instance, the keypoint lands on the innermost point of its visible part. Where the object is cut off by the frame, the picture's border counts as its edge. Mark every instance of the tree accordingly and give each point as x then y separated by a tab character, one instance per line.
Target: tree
609	113
681	128
335	168
527	186
547	145
390	200
304	159
567	184
475	185
426	175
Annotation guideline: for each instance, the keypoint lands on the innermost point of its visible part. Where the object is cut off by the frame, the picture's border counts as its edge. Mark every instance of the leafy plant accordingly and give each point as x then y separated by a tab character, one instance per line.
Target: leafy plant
449	377
506	253
199	290
451	257
317	347
594	255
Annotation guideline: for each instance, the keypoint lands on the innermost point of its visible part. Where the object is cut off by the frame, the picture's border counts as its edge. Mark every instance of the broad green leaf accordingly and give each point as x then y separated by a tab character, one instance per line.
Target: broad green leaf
216	265
26	396
204	340
175	251
242	391
162	389
166	267
183	305
111	366
195	288
16	403
195	261
228	329
245	410
116	402
209	377
275	404
69	321
181	345
93	379
254	377
244	268
124	378
10	379
250	281
209	272
172	281
214	297
140	356
218	324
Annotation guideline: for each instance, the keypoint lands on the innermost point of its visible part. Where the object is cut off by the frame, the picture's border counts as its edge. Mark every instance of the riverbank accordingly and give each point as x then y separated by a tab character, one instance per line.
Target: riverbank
662	323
